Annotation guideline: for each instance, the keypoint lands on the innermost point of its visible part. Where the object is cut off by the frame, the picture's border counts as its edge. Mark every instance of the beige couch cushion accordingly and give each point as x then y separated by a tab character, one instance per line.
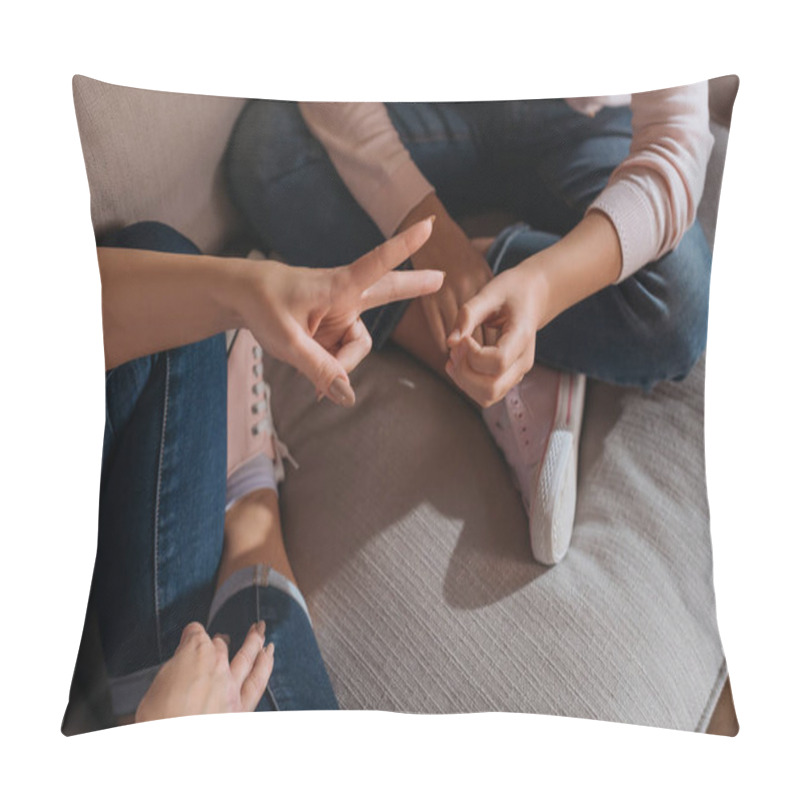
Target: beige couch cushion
156	155
411	547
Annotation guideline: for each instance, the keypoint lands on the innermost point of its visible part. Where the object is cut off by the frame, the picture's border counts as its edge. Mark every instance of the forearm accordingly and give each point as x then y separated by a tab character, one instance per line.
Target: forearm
653	195
156	301
583	262
369	156
433	254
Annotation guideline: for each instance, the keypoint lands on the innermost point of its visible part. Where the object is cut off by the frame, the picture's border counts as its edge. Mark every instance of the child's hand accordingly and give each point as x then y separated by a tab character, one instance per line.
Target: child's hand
521	301
465	267
513	303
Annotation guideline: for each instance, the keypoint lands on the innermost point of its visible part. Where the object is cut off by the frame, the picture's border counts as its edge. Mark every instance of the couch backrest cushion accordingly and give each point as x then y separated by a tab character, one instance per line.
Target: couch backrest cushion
156	155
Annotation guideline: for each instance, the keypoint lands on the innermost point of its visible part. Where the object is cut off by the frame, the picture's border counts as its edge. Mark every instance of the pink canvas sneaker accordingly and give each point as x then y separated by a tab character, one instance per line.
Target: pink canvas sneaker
251	432
537	426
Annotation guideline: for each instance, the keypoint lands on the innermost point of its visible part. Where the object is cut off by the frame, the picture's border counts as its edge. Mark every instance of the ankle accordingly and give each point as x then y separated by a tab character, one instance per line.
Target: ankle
253	535
252	511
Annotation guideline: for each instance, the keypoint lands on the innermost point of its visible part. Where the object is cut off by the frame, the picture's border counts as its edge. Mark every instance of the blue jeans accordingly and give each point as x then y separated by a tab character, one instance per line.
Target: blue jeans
539	160
162	501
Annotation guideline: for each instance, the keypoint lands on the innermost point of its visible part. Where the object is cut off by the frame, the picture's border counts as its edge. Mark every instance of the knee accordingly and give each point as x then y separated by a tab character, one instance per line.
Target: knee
675	347
270	138
674	309
150	235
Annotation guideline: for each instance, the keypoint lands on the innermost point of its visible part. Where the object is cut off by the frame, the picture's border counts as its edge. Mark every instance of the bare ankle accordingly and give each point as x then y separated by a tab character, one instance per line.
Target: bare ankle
261	505
253	535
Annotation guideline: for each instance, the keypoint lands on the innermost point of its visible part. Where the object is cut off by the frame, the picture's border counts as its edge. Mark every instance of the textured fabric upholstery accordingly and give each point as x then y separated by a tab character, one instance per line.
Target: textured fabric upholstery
156	156
411	547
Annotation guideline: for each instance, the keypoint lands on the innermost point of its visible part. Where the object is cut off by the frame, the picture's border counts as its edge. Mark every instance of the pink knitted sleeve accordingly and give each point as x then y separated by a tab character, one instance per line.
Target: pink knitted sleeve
652	196
367	152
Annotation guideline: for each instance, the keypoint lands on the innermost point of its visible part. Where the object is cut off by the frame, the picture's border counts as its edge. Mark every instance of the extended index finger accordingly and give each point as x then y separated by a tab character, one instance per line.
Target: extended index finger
371	267
401	285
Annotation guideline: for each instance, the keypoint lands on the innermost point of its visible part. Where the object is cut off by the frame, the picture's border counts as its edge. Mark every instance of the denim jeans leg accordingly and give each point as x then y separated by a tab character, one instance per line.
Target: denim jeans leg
452	146
299	680
553	161
293	201
162	496
288	192
650	327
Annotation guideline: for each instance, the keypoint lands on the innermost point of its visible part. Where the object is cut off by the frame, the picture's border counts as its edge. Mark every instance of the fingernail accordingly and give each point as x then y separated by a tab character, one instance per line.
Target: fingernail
262	627
342	393
270	649
432	218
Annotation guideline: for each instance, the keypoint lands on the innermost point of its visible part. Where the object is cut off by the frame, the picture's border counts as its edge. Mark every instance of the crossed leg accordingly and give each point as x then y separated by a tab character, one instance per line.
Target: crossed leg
165	541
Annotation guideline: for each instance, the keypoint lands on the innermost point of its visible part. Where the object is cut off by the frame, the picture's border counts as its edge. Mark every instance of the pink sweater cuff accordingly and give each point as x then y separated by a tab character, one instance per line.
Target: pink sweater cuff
630	211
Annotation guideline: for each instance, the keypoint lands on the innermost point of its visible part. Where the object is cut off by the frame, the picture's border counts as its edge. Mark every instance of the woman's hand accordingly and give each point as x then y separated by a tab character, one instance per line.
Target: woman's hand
198	679
310	317
466	269
155	301
513	303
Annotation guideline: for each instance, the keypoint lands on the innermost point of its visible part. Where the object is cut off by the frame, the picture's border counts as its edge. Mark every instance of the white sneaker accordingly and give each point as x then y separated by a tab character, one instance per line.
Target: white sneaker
254	449
537	426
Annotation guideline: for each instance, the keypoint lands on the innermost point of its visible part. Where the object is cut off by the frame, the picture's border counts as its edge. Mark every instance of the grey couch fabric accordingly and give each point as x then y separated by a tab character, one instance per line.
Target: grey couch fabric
156	156
402	526
411	547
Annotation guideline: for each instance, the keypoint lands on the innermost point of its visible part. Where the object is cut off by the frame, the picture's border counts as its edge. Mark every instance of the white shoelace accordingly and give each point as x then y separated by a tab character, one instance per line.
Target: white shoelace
263	393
